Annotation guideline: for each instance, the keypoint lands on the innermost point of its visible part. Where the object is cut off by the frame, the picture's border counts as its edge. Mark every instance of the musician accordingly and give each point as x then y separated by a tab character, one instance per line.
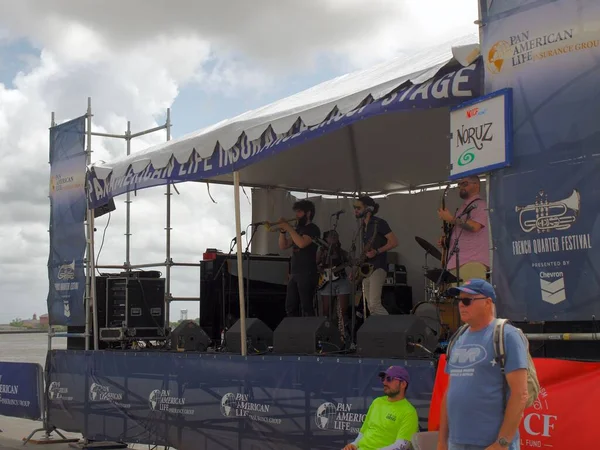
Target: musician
339	289
470	230
375	230
303	274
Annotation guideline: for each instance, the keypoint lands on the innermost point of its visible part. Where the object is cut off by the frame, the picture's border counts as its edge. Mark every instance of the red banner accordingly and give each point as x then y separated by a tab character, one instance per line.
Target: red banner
563	417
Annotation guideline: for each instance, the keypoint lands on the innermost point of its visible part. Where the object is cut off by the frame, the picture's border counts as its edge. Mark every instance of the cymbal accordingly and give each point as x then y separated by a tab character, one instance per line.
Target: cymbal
429	248
434	275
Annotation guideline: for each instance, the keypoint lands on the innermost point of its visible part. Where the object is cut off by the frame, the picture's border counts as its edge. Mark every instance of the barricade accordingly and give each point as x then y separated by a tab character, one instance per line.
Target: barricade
21	390
563	415
220	401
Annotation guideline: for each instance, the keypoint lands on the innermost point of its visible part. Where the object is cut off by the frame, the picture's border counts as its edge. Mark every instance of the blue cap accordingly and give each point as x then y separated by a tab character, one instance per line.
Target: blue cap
475	286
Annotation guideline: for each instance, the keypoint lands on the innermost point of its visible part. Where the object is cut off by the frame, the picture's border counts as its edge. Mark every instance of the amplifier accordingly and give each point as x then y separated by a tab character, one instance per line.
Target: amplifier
135	303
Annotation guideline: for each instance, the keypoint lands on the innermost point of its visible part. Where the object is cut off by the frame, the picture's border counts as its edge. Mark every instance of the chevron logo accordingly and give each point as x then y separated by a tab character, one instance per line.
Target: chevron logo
553	292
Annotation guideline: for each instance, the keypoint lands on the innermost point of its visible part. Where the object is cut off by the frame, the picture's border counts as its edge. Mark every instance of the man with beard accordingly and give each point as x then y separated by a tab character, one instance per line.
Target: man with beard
304	276
469	228
391	420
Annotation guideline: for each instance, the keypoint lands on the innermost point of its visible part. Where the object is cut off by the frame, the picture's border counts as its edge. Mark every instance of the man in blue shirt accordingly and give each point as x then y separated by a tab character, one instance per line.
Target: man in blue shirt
472	415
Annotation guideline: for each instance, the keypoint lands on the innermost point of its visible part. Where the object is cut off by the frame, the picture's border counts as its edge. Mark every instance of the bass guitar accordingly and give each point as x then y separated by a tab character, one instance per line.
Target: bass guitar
332	274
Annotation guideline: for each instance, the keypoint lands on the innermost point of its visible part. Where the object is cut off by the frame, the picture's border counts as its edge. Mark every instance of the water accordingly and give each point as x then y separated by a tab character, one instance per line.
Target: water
31	348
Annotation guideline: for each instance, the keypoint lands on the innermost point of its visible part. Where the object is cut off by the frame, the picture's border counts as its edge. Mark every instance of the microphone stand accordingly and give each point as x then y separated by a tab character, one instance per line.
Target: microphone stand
330	265
247	255
222	273
353	294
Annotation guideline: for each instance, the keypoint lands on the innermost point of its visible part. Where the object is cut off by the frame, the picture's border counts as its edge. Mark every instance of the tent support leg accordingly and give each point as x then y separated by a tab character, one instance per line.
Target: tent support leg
240	270
168	237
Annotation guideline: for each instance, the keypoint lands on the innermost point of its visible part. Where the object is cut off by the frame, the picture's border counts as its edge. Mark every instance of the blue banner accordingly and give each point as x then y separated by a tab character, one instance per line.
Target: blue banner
192	401
545	208
445	90
21	391
67	224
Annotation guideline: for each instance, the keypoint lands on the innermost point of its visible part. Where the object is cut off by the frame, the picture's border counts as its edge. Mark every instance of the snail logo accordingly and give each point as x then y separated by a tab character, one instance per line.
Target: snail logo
466	157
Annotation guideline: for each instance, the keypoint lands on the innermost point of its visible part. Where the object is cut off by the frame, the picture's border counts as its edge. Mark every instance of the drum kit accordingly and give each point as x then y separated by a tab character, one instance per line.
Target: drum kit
436	307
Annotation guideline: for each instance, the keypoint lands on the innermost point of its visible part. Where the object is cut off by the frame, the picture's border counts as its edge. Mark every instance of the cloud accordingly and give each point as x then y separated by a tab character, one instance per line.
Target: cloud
133	58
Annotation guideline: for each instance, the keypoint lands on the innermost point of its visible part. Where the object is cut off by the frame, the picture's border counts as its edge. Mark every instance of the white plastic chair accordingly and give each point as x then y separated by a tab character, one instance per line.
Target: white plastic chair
425	440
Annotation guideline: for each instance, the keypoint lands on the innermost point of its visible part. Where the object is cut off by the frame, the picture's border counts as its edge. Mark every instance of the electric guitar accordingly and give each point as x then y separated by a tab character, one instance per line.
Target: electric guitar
331	275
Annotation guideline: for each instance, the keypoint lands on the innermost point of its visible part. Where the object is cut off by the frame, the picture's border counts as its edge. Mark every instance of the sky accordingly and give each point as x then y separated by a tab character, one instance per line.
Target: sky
205	60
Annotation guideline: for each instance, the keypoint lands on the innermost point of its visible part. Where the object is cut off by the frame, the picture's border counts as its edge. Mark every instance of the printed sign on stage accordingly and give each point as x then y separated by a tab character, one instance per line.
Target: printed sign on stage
544	209
190	401
21	390
67	227
481	135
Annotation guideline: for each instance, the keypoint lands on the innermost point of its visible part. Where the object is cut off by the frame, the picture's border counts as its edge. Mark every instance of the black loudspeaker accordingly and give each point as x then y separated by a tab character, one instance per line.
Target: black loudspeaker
189	337
306	335
397	299
78	343
536	348
394	337
259	337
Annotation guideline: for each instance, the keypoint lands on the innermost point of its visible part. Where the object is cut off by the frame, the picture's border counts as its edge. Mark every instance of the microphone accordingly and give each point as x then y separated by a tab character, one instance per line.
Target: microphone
338	213
241	234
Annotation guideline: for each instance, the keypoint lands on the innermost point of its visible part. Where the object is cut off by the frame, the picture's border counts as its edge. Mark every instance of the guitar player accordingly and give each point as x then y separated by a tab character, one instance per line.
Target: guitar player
340	287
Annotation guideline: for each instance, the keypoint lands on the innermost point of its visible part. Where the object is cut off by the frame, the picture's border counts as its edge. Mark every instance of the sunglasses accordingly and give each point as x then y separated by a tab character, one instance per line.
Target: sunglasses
468	300
389	379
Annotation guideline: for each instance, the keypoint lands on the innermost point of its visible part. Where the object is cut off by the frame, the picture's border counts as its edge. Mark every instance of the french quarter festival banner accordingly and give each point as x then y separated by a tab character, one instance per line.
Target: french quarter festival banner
544	208
66	275
560	417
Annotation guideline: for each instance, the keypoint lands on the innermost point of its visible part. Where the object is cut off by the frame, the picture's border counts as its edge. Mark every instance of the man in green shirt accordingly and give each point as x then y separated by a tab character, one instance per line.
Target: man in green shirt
391	420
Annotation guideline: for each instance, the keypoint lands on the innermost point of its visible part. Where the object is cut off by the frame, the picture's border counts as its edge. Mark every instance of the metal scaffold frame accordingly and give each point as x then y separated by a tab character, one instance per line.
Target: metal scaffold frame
92	325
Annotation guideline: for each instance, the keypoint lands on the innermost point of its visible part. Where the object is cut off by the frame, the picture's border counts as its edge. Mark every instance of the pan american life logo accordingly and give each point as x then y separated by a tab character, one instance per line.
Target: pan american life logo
57	392
338	416
100	393
162	400
240	405
9	390
528	47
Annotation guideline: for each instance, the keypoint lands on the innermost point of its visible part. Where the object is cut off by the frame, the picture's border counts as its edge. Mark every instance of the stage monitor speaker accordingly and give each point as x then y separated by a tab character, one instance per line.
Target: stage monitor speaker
306	335
189	337
394	336
259	337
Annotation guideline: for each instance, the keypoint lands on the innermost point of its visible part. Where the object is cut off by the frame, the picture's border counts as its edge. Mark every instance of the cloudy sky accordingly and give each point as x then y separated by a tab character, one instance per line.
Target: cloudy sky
207	61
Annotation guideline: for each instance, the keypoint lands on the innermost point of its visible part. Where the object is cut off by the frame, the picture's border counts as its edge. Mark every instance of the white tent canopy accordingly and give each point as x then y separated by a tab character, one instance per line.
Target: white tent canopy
392	147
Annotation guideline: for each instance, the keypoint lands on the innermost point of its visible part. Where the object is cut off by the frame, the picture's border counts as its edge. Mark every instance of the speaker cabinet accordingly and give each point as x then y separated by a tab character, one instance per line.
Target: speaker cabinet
394	336
306	335
259	337
189	337
397	299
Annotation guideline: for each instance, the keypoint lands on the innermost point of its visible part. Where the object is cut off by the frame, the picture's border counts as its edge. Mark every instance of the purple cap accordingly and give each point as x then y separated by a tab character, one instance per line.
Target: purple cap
396	372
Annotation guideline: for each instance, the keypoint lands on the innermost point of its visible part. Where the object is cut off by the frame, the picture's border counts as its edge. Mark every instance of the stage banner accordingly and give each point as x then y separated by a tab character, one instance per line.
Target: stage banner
21	390
67	224
562	416
544	209
445	90
190	401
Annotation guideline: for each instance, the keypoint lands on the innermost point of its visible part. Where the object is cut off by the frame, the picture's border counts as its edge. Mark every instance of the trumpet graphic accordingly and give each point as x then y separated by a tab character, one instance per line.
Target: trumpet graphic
545	216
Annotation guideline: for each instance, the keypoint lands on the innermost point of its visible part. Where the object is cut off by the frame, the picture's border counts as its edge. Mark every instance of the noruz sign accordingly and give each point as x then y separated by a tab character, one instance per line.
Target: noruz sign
481	134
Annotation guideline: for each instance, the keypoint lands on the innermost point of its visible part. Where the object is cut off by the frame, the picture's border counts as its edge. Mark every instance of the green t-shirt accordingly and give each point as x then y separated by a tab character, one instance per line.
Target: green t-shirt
386	422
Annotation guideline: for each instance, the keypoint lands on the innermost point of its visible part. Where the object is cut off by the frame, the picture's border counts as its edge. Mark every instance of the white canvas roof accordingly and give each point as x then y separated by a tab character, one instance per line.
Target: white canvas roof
387	151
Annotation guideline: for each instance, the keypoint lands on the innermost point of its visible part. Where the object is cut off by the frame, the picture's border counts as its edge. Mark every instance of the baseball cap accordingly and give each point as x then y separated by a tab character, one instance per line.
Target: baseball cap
475	286
396	372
